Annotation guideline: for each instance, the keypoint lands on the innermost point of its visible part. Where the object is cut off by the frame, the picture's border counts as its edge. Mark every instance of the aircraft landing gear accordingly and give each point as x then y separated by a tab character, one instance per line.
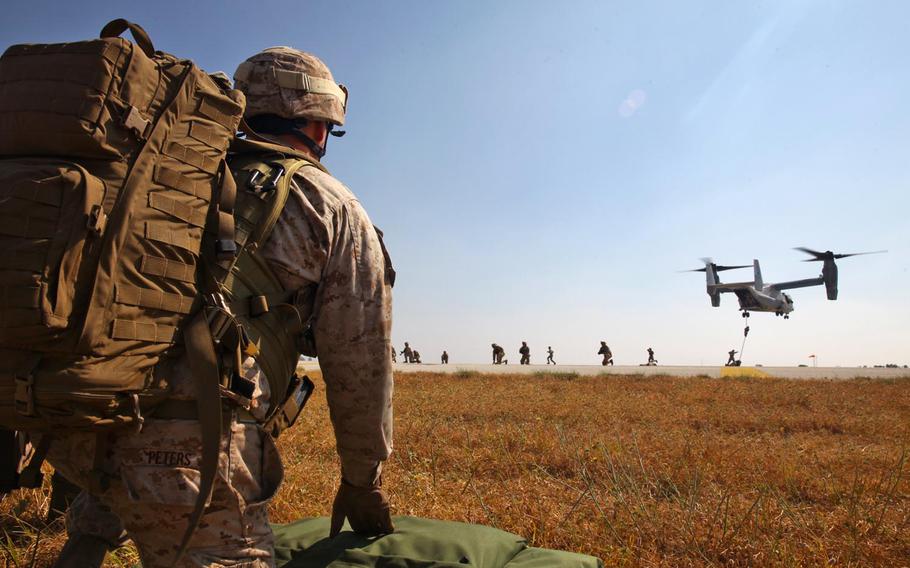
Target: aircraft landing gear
786	316
745	314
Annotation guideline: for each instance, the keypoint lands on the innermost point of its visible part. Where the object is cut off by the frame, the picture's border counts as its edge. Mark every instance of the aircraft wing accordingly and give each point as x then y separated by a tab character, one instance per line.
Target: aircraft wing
799	283
730	287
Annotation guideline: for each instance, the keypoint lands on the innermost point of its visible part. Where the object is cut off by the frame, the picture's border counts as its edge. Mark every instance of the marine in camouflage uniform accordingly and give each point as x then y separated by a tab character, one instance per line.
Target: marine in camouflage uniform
444	358
498	354
605	351
525	353
323	237
408	354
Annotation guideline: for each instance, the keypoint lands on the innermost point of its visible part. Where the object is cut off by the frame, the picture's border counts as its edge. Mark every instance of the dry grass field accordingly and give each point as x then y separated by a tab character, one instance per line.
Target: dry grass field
638	471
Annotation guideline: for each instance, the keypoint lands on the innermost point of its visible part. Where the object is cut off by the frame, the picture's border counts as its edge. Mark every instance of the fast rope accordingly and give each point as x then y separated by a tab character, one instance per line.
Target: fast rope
742	348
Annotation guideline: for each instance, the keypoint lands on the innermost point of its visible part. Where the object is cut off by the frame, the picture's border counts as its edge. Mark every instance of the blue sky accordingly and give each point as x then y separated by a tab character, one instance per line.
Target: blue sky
542	170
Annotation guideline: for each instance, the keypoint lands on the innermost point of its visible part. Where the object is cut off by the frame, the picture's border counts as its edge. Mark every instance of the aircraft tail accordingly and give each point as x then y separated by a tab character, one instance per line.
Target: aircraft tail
759	283
712	279
711	276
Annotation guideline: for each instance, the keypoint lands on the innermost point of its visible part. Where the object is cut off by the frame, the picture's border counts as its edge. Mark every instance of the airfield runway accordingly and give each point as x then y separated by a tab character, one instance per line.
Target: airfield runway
672	370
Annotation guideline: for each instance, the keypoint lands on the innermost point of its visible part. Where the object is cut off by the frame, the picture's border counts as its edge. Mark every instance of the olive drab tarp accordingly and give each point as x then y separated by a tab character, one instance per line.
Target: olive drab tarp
416	543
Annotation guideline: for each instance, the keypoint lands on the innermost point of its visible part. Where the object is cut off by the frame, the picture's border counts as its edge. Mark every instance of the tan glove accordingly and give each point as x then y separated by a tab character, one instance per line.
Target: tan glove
366	508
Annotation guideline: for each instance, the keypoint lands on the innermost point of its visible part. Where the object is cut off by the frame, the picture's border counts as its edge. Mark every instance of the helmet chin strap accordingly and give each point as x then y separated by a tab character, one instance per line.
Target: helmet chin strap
315	148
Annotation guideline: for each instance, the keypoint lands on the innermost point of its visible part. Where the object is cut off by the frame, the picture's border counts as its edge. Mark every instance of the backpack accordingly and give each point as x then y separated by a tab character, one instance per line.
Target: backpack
112	169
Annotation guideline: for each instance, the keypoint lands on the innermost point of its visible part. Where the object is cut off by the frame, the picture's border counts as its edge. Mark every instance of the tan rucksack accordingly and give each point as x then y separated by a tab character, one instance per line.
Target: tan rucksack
111	169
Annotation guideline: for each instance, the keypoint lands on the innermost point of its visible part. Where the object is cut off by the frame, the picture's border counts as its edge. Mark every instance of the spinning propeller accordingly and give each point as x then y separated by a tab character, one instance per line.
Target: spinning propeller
828	255
717	267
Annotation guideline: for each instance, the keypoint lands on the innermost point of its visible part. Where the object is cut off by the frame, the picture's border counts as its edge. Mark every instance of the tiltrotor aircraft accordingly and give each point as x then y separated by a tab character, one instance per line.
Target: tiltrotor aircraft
758	296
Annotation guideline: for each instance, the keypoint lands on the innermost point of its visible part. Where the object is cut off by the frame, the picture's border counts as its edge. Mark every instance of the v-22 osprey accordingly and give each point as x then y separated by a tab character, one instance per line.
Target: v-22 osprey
759	296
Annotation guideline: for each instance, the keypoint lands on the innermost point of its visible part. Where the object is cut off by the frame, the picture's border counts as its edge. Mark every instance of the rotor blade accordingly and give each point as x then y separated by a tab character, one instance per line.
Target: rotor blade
859	253
717	267
809	251
828	255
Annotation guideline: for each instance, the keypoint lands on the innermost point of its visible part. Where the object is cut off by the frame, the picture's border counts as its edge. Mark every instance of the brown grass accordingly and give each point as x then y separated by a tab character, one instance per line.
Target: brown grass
638	471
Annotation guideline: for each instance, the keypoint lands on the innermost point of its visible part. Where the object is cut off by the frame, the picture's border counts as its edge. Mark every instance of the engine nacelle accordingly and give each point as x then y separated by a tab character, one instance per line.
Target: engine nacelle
715	299
829	274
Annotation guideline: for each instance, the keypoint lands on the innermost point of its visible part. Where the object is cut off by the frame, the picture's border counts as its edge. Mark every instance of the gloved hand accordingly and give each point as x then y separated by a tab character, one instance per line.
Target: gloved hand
366	508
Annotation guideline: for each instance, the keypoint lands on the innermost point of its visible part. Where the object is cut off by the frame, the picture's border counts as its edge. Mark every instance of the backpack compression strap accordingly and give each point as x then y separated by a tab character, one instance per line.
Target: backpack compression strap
203	360
200	350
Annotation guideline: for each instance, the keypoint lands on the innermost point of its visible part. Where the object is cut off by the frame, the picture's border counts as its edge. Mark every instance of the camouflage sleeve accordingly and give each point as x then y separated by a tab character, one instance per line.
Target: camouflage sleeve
338	247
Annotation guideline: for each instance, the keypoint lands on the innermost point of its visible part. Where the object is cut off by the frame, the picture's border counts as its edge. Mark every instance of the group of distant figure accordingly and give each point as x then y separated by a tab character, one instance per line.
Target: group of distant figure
499	355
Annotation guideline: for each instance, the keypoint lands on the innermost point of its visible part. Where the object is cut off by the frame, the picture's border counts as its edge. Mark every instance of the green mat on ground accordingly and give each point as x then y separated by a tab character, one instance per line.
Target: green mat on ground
416	543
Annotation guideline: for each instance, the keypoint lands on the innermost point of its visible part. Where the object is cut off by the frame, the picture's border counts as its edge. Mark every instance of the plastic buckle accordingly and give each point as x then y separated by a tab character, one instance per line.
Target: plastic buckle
135	122
242	386
299	391
218	315
97	220
225	249
24	396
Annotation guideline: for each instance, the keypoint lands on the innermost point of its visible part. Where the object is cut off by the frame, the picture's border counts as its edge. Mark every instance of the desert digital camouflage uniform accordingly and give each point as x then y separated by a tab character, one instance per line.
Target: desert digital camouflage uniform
323	237
498	354
408	354
525	353
605	351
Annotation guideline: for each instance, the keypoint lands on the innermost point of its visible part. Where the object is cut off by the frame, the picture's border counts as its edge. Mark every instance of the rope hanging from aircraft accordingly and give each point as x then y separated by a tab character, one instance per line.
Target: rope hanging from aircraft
742	348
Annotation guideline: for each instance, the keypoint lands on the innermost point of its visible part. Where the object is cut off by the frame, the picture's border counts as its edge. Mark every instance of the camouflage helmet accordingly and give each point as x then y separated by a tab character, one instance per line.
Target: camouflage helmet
290	83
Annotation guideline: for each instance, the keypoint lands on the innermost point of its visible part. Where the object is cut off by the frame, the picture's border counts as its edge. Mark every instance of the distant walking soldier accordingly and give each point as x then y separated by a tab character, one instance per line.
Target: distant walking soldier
525	352
605	351
550	352
408	354
651	359
444	358
394	355
498	354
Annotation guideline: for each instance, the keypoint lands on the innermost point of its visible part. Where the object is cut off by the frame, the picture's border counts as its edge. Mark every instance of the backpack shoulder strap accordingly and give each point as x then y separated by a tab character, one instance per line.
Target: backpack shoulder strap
264	173
289	168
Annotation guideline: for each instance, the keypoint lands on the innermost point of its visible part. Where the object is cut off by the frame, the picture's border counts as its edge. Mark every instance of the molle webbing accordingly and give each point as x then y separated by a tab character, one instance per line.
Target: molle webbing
112	159
111	165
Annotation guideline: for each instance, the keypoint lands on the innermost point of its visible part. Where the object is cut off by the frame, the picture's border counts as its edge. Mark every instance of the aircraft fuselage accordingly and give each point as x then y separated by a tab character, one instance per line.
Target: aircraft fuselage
768	299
